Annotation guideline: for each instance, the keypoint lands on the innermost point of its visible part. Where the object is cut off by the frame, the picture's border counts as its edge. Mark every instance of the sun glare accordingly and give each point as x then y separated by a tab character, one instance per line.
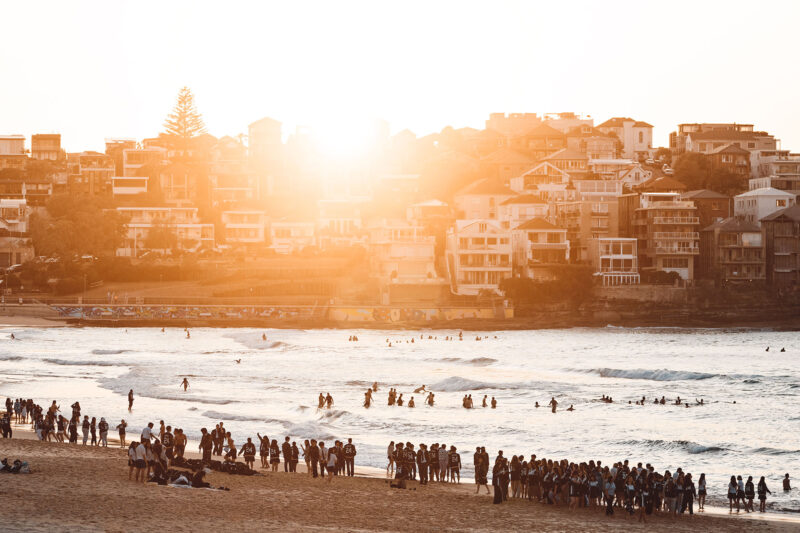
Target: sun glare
344	137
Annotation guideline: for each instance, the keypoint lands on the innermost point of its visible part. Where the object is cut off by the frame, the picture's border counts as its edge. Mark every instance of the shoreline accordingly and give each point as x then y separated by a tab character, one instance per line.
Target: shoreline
57	489
513	324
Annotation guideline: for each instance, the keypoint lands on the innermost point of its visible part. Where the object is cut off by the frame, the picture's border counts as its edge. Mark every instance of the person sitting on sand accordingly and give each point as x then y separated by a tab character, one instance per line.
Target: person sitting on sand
198	481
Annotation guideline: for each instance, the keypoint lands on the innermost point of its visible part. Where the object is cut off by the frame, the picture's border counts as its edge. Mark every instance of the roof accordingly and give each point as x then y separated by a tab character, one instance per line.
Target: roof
577	131
485	186
664	183
524	199
618	122
430	203
703	194
792	212
734	225
507	155
765	191
544	130
730	148
537	223
565	153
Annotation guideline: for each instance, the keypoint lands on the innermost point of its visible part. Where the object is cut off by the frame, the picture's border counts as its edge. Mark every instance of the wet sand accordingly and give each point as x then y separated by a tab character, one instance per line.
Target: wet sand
88	488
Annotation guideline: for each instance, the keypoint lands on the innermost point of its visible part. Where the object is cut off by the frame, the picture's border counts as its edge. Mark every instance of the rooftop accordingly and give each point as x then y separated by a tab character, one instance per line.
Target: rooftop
765	191
524	199
703	194
537	224
792	213
734	225
618	122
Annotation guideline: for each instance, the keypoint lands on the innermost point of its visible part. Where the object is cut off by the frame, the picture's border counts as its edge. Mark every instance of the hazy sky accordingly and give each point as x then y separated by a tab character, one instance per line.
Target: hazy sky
91	70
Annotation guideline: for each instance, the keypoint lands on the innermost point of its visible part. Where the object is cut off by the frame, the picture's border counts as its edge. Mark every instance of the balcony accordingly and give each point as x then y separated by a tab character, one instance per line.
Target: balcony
670	250
676	220
676	235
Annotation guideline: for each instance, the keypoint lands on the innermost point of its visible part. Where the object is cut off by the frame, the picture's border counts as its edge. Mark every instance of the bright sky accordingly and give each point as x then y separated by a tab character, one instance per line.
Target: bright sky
96	69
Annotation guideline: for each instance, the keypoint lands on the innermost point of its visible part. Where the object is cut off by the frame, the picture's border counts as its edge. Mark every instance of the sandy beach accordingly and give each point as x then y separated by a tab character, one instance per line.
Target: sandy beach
77	487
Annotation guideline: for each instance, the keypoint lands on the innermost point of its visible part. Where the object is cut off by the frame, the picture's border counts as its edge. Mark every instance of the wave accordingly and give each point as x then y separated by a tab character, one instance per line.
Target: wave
683	445
253	340
481	361
774	451
459	384
10	358
358	383
310	430
65	362
227	417
662	374
109	352
752	381
145	385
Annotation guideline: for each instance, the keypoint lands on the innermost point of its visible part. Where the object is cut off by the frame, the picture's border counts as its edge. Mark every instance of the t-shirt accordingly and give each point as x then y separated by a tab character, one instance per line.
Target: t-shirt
146	433
141	452
331	459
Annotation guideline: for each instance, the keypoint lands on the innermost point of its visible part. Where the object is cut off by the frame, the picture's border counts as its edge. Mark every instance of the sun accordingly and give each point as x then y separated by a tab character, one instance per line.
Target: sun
347	137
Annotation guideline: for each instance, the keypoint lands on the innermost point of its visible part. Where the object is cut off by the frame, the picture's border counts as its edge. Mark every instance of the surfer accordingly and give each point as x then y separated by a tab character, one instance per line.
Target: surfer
185	384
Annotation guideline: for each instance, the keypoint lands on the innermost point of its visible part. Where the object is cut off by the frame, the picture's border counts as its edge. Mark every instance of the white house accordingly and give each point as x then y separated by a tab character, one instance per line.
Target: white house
183	222
287	236
244	227
636	136
479	256
616	260
522	208
401	252
481	200
539	247
758	203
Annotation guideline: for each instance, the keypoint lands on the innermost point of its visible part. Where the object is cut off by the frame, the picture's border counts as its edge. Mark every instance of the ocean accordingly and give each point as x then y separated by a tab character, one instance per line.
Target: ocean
749	425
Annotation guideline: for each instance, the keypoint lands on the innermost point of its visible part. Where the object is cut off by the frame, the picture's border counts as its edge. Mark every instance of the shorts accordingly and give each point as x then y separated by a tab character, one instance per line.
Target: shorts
731	496
250	458
140	463
701	492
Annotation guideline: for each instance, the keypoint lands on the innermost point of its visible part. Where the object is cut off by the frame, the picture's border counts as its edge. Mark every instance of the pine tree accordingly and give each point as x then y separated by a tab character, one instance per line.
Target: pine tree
185	122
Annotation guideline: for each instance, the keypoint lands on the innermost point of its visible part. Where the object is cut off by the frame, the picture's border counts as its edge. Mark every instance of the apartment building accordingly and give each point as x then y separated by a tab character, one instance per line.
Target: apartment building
91	173
15	245
667	230
12	152
182	223
731	250
778	169
711	205
615	260
594	143
520	209
543	173
540	249
781	232
479	256
244	227
47	147
291	236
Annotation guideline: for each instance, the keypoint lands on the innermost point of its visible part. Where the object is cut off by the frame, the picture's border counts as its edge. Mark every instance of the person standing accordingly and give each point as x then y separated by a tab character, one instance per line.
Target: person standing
93	431
121	429
264	450
349	457
762	494
295	457
103	428
749	494
206	445
85	426
422	464
331	463
274	455
168	441
701	492
286	448
553	404
313	457
323	459
180	443
249	452
130	400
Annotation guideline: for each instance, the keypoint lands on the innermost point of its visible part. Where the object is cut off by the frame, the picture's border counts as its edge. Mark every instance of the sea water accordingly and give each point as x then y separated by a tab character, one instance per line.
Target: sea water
749	425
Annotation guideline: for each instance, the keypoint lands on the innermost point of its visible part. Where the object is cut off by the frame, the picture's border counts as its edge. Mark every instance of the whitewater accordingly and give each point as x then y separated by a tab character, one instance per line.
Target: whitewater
274	390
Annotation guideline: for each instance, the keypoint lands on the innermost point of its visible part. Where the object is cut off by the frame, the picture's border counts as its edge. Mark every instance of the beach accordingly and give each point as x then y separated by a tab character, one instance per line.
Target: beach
81	487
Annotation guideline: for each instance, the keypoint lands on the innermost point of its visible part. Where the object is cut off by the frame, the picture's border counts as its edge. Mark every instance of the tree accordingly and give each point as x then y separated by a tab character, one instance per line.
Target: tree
185	122
692	170
664	154
76	226
161	237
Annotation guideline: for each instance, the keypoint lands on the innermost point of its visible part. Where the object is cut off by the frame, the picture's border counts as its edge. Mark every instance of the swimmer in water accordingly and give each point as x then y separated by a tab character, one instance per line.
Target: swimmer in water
429	399
570	408
185	384
263	336
553	403
237	361
375	387
400	400
787	486
484	400
12	337
368	398
321	403
130	399
162	330
411	402
537	404
419	390
494	403
783	349
188	336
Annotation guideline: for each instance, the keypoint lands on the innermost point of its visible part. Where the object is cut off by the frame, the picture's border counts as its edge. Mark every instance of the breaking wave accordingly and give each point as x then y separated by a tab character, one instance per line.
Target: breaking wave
459	384
683	445
10	358
65	362
662	374
109	352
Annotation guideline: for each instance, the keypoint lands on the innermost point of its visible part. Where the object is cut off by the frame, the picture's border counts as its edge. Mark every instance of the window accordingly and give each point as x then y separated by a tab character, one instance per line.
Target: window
751	145
641	136
780	203
714	206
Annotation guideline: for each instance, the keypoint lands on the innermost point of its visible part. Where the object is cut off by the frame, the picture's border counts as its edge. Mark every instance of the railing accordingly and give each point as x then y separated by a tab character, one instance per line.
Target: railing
675	250
687	235
676	220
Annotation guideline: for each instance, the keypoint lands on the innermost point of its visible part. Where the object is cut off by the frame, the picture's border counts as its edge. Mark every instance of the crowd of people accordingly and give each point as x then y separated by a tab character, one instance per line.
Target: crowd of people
633	490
